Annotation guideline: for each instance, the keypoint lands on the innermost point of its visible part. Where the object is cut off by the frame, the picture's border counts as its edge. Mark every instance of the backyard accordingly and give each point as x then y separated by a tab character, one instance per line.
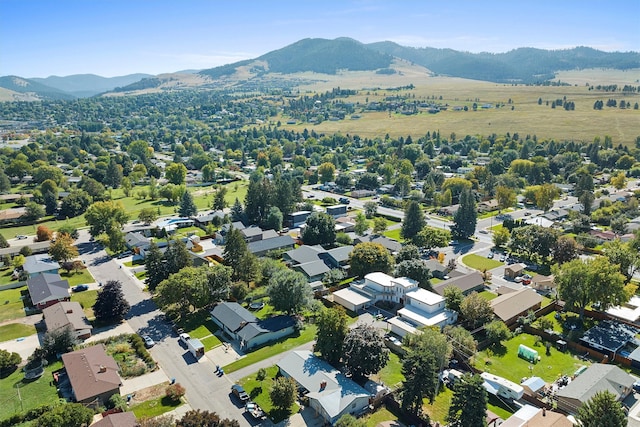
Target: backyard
12	301
86	299
259	392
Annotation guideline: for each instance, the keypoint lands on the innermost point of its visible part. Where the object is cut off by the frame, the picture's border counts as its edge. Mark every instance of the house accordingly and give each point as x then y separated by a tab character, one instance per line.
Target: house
472	282
40	263
240	324
596	378
629	311
609	336
337	211
509	307
358	194
170	225
93	375
345	224
303	254
46	289
531	416
221	235
36	248
436	268
421	308
556	215
539	221
296	219
136	241
117	419
375	287
389	244
313	271
67	313
202	220
449	210
487	206
252	234
331	394
542	283
261	247
514	270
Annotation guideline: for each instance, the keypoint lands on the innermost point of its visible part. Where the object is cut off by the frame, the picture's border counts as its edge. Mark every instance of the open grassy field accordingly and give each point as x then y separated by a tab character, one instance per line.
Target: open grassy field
13	331
480	262
523	115
12	304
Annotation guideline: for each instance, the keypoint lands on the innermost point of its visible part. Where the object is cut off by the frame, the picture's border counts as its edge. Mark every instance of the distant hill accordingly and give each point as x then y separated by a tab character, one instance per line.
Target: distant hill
523	65
27	86
85	85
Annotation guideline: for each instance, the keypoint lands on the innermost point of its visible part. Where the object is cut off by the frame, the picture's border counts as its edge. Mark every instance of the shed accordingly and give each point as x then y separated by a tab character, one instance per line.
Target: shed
533	385
528	353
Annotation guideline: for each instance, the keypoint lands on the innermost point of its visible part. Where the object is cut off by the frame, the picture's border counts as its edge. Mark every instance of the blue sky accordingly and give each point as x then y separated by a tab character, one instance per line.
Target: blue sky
39	38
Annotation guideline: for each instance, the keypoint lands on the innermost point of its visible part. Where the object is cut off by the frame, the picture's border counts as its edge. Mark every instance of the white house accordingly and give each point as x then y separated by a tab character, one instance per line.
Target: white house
376	287
421	308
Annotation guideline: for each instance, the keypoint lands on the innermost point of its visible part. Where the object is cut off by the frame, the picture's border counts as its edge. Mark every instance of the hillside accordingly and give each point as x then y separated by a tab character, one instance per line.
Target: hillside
85	85
27	86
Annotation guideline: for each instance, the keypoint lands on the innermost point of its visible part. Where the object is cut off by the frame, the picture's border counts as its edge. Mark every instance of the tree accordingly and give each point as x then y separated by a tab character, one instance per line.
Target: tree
148	215
430	340
417	270
274	219
18	261
368	257
619	180
602	410
283	392
33	212
565	249
239	290
469	404
289	291
235	250
66	415
62	250
3	242
181	289
177	256
187	206
237	211
8	361
348	420
113	177
50	202
114	238
370	209
362	225
497	331
420	371
379	225
476	310
219	199
58	341
544	196
501	237
76	203
453	298
126	186
333	277
320	229
505	196
432	237
407	252
204	418
332	329
623	255
326	172
176	173
463	343
174	392
364	351
101	215
466	216
43	233
111	305
584	282
155	266
413	220
70	230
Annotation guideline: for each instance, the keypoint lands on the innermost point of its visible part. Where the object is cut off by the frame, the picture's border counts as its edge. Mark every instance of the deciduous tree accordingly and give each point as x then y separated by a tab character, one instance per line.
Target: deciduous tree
417	270
62	250
332	330
101	215
432	237
111	306
476	310
283	392
364	351
66	415
320	229
289	291
497	331
362	225
368	257
176	173
370	209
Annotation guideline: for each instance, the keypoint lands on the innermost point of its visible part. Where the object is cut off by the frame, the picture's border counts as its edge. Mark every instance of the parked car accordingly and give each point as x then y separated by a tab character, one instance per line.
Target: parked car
125	254
239	392
502	258
344	200
490	255
183	338
636	386
21	237
483	231
148	342
80	288
254	410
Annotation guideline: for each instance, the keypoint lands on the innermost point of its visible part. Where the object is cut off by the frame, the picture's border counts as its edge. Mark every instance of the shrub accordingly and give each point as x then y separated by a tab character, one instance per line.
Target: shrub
174	392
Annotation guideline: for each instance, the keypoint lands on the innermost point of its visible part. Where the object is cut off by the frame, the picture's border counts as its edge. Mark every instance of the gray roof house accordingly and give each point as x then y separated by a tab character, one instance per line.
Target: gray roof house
467	283
303	254
598	377
40	263
390	244
261	247
67	313
136	240
313	270
331	394
240	324
436	268
46	289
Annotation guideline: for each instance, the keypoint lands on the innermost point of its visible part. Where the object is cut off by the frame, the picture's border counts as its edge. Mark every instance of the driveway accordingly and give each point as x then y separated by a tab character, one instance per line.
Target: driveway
24	346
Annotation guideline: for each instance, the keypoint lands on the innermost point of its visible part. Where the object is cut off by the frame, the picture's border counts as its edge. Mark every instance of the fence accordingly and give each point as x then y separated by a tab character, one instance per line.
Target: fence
411	419
13	286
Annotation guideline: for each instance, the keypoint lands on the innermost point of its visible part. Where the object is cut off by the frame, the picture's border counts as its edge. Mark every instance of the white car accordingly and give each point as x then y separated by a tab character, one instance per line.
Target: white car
21	237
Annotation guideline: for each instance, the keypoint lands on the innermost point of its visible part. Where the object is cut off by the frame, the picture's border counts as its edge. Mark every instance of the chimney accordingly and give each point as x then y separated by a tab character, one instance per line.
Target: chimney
102	369
323	384
69	310
544	412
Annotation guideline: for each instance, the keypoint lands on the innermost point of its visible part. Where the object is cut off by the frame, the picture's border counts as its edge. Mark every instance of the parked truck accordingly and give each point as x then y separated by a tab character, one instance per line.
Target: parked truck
193	345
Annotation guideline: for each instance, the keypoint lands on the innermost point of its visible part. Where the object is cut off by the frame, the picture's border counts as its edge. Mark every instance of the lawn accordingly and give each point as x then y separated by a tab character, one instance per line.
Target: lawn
12	303
505	362
30	394
259	393
391	375
154	407
488	295
86	299
205	333
381	415
480	262
394	234
5	276
308	333
439	409
76	278
13	331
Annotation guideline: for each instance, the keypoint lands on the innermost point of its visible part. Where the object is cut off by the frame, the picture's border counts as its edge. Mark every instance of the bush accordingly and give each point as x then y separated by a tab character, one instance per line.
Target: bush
174	392
117	402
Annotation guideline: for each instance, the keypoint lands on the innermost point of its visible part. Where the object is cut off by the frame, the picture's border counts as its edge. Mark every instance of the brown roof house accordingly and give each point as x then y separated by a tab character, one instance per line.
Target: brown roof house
93	374
67	313
543	283
118	419
46	289
514	270
510	306
468	283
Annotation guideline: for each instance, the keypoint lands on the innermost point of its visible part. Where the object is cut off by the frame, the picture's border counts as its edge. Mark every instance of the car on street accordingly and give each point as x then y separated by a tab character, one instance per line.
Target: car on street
125	254
80	288
483	231
503	258
490	255
148	341
21	237
636	386
239	392
344	200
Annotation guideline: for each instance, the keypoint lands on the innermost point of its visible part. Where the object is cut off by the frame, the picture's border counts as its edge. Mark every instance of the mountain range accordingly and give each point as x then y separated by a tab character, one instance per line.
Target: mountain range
523	65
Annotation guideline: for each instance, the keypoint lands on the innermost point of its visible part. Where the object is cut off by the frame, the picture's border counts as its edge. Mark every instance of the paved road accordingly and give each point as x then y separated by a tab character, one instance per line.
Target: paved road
204	390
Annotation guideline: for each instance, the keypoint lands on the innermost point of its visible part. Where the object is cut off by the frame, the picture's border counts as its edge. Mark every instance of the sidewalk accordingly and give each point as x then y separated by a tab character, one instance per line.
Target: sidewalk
132	385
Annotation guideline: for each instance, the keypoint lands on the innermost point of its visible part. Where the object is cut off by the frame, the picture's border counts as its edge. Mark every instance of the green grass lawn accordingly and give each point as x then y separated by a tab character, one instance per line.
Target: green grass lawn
480	262
141	275
86	299
13	331
5	276
205	333
381	415
76	278
304	336
488	295
32	393
506	363
391	374
394	234
435	280
11	301
259	393
439	409
154	407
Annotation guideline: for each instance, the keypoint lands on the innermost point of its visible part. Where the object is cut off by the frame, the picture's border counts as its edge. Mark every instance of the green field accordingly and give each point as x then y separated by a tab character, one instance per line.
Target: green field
86	299
480	262
13	331
12	304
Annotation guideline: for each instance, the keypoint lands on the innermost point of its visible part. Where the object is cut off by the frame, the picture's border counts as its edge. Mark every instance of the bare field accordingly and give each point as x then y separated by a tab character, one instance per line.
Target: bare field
526	117
596	76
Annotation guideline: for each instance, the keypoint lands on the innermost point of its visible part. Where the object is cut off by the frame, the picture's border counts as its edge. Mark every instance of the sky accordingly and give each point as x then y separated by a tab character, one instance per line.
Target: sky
40	38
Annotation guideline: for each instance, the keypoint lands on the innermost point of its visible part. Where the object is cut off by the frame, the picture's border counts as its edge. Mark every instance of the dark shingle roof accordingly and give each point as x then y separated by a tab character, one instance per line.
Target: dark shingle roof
45	287
270	244
272	324
232	315
464	283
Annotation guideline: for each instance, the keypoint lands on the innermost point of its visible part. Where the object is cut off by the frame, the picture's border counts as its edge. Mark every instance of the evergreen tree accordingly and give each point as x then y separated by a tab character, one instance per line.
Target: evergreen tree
469	403
187	206
177	256
50	202
113	176
237	211
155	266
258	199
235	250
219	202
466	216
420	371
602	410
274	219
413	220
